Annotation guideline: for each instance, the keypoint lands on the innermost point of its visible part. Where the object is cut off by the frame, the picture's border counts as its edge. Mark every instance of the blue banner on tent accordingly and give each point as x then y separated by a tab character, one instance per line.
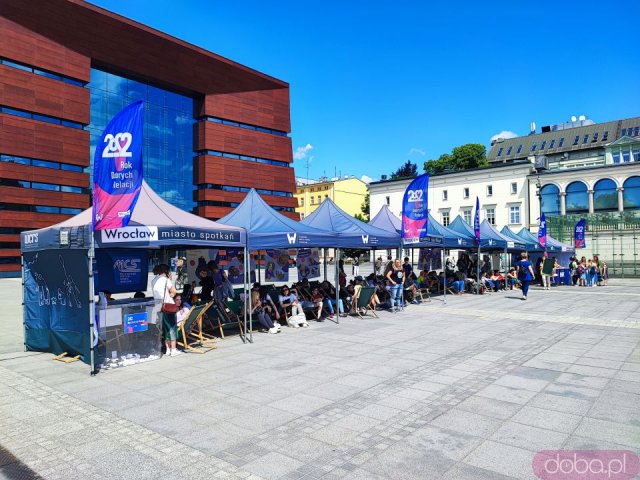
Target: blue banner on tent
117	169
579	234
415	210
121	270
542	232
476	221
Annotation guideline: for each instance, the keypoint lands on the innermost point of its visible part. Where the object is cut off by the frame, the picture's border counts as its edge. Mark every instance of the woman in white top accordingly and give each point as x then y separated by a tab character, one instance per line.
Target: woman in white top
183	309
163	292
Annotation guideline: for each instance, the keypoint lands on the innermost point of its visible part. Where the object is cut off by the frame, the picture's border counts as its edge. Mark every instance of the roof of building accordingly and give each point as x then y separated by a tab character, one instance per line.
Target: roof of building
585	137
454	172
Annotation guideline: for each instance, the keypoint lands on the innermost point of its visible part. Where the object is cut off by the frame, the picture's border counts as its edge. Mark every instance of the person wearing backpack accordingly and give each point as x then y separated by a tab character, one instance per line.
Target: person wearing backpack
525	273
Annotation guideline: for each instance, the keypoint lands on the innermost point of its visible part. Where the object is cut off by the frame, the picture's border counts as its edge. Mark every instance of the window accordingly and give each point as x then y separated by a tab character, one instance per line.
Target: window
605	136
326	196
43	73
595	137
623	132
605	196
636	131
576	140
489	190
388	200
445	195
302	202
302	216
577	199
246	126
319	199
544	144
514	188
616	157
445	219
465	192
561	142
626	157
631	193
552	143
491	216
514	215
500	151
585	139
636	156
41	118
312	201
519	148
466	216
509	150
533	147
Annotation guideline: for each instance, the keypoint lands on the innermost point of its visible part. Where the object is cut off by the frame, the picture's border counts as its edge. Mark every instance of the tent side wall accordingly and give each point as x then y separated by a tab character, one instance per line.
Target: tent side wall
56	302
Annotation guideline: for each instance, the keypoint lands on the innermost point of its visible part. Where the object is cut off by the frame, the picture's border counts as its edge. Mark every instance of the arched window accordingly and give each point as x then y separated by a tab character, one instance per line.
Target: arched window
631	193
550	200
605	196
577	200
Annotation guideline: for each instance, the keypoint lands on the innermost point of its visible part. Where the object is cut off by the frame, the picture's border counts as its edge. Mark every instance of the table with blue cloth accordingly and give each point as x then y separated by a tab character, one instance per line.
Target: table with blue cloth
562	277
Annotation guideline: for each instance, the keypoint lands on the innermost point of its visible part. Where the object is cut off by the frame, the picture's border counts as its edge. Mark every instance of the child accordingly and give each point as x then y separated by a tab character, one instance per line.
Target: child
512	279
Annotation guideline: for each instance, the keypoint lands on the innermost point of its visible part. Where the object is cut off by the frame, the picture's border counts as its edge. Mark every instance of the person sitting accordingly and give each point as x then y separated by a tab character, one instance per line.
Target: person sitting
259	312
512	279
498	280
317	298
330	299
411	287
487	282
183	309
139	295
289	300
459	282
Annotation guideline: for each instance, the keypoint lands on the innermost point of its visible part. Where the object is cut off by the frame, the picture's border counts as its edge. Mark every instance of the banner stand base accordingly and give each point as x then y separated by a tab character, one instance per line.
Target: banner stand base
65	359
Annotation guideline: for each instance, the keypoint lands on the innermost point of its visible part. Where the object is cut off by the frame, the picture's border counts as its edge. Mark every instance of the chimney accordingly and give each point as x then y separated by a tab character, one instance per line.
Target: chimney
533	128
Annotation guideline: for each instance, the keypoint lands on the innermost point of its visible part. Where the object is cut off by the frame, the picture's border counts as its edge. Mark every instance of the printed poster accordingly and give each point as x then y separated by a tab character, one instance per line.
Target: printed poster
308	263
430	259
276	265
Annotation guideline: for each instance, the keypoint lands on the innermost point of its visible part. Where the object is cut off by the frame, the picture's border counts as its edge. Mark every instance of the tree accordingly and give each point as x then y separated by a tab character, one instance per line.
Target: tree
464	157
407	170
353	252
364	208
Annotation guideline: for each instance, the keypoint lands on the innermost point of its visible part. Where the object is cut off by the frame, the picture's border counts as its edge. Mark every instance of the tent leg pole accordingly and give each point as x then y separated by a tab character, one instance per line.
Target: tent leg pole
259	279
337	262
24	325
444	269
92	305
246	297
324	254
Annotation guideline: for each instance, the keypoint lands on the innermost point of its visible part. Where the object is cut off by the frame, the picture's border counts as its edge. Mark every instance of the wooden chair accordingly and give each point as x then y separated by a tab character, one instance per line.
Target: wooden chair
192	341
364	303
228	313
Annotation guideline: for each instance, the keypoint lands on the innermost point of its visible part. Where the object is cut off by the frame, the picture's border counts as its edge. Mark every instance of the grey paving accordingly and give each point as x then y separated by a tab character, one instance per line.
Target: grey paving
470	389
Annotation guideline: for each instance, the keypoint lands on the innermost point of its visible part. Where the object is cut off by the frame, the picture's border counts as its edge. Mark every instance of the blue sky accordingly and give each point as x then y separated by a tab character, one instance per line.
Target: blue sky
376	83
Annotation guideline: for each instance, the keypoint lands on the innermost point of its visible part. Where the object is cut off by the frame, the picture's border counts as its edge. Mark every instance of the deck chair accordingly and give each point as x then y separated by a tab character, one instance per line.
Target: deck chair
364	303
228	313
191	337
422	291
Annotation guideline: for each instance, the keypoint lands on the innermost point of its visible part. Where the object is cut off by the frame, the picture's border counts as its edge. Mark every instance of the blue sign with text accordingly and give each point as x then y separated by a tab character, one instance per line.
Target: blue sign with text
136	322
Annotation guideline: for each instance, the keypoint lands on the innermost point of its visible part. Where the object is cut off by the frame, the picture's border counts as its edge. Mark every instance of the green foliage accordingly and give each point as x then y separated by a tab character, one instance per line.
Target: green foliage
364	208
464	157
353	252
407	170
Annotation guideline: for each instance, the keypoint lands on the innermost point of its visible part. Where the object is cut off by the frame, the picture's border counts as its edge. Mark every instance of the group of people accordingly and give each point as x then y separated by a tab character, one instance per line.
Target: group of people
588	273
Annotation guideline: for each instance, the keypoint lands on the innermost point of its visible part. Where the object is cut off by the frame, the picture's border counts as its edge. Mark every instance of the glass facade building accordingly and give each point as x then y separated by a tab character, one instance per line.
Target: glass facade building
168	145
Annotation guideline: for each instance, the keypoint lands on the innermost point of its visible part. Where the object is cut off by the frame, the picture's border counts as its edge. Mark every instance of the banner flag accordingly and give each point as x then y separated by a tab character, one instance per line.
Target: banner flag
415	210
542	232
117	169
580	240
476	221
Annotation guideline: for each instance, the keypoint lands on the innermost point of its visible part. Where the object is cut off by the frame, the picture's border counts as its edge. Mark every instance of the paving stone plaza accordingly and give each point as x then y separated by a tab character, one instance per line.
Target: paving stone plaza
470	389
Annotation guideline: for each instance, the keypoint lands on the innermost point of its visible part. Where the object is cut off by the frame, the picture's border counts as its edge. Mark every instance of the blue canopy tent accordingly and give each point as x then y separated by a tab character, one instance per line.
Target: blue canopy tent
496	241
451	238
349	232
526	235
266	228
386	220
529	244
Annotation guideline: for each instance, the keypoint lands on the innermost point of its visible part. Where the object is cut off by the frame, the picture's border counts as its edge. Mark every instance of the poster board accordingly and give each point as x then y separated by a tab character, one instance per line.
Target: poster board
430	259
308	263
547	266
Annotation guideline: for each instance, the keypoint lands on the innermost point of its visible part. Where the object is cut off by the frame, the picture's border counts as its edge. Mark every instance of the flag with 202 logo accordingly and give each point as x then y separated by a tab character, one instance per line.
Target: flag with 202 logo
117	169
415	211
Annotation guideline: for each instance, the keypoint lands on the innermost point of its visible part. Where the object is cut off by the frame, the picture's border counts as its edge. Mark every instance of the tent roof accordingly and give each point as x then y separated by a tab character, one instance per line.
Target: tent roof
491	237
348	231
172	226
386	220
452	238
461	227
553	245
266	228
529	244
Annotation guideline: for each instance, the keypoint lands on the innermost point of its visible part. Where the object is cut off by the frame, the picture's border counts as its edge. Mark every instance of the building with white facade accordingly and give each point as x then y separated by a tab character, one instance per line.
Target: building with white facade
573	170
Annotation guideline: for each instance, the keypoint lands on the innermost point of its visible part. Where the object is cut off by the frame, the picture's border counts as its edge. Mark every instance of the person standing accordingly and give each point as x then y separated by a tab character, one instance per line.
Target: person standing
395	277
378	266
355	266
163	293
525	273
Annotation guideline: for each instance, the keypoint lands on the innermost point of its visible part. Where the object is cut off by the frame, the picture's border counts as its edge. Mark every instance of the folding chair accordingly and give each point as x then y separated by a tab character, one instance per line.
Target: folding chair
228	313
364	303
195	342
422	291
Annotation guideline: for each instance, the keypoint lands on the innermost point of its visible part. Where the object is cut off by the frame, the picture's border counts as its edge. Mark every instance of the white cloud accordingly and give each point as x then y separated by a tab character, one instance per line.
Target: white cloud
301	152
419	151
504	134
366	179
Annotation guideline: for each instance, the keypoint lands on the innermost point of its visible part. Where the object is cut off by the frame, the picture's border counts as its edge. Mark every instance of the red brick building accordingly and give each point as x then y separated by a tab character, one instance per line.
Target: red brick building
214	128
